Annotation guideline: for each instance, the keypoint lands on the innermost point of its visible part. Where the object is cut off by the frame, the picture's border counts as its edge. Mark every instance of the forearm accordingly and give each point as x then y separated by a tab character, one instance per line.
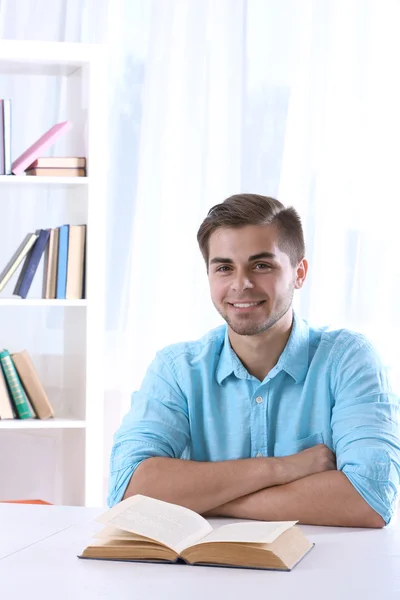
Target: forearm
202	486
322	499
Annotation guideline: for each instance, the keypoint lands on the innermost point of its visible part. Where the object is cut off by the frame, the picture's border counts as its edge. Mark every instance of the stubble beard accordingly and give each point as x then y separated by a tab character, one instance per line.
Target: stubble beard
256	328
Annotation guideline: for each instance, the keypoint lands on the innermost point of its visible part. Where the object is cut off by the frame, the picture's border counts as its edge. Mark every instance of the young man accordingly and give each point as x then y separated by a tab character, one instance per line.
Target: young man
276	420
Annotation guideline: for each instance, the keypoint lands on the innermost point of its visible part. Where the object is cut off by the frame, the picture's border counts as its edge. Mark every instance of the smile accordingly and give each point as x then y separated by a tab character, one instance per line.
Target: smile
242	305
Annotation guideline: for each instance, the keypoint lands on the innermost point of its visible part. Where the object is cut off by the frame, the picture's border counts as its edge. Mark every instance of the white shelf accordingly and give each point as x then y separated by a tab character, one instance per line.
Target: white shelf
45	58
66	345
40	302
28	180
42	424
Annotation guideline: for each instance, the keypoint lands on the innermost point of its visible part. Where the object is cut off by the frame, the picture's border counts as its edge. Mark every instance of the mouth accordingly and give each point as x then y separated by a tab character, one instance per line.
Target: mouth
246	306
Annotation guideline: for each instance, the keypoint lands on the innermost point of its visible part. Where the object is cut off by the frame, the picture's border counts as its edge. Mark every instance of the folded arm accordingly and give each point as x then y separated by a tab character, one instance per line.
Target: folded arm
202	486
148	448
322	499
365	423
146	456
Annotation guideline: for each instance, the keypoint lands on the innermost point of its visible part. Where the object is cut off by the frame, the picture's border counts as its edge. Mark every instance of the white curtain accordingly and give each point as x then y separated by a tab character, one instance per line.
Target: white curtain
297	99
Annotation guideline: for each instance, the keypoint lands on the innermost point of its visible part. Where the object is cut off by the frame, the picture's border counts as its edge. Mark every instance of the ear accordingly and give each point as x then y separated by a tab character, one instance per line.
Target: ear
301	274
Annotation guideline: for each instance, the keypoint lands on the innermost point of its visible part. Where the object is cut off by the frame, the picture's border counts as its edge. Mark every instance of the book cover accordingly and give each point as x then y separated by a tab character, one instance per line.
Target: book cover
16	259
6	407
31	264
44	142
7	136
62	265
61	162
56	172
32	385
14	384
50	267
76	257
2	163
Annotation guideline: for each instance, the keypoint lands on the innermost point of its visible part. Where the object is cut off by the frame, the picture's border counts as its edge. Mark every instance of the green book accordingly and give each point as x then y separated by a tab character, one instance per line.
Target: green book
14	384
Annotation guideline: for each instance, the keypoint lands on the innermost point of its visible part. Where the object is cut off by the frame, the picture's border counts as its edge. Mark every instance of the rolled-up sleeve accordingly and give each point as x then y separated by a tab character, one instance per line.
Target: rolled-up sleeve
156	425
366	426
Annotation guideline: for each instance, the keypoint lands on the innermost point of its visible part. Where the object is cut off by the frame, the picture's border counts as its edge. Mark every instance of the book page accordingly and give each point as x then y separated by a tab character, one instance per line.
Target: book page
255	532
109	532
169	524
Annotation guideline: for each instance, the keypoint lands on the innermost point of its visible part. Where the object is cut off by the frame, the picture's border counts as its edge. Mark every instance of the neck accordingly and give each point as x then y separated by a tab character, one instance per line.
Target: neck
260	353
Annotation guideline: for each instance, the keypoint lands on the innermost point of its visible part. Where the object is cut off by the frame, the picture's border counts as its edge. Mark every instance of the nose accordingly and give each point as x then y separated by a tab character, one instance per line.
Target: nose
241	282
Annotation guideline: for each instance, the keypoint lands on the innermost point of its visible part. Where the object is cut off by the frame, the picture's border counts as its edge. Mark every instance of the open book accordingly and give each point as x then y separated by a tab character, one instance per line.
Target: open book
144	529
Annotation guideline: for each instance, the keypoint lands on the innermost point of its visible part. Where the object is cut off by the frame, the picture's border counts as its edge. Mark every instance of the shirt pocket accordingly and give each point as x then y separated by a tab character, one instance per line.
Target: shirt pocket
287	447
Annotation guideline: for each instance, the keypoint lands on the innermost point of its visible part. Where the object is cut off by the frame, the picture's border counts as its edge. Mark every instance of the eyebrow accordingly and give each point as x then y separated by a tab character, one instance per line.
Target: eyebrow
218	259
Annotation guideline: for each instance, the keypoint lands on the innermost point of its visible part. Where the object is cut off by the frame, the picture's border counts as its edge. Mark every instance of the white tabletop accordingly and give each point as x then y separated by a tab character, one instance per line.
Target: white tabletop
22	524
345	564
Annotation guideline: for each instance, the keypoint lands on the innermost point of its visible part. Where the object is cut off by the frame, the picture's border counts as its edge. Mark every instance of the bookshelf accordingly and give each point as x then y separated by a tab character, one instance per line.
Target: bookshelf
43	181
59	460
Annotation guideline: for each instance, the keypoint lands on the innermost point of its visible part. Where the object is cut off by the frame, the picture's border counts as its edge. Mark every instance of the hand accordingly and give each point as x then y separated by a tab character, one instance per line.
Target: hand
308	462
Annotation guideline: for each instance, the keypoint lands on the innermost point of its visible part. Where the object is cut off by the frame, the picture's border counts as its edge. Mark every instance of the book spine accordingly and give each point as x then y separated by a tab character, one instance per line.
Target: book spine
7	136
7	410
32	385
50	272
16	259
15	387
62	262
32	262
58	162
2	163
55	172
76	257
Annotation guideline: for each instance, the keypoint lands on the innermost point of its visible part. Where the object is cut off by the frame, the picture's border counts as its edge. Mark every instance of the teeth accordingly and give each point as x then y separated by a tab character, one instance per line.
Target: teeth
246	305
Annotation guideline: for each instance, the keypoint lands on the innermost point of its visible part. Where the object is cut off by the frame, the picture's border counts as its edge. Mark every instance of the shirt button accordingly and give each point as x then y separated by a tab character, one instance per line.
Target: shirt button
259	454
259	399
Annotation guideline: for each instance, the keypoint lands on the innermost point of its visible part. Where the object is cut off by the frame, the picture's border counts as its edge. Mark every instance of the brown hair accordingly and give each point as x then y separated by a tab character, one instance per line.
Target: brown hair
253	209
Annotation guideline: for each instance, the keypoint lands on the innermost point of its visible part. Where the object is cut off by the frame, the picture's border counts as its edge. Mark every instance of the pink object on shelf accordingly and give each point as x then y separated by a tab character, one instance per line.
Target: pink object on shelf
20	164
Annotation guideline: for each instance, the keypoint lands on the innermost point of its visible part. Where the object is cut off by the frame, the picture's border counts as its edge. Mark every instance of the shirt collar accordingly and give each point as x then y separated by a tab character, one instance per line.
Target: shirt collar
293	360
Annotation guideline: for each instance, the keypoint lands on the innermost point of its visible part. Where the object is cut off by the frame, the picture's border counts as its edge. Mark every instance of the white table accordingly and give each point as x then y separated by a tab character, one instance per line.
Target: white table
22	525
345	564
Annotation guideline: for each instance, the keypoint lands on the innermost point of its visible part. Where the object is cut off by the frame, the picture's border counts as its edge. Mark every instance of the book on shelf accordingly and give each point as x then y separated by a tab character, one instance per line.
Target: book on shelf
18	396
2	162
38	147
32	384
148	530
62	264
58	162
5	117
6	406
56	172
17	258
50	265
31	264
64	251
22	394
75	263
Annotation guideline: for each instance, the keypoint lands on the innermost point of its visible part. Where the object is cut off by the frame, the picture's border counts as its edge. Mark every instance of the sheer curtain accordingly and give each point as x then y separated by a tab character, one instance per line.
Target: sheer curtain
293	99
296	99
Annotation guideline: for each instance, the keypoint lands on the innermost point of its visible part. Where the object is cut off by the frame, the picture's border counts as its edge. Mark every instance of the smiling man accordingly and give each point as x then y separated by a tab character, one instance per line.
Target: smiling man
264	417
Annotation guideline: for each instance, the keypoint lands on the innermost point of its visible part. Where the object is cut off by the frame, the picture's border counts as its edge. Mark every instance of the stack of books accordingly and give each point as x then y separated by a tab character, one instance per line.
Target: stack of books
58	166
31	162
64	251
22	395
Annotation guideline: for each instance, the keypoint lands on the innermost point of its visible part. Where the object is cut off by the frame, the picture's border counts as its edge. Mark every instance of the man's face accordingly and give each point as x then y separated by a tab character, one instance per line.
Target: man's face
251	280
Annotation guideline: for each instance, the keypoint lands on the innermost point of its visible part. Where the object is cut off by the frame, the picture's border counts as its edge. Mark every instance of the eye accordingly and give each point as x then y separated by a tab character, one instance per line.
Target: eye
222	269
262	266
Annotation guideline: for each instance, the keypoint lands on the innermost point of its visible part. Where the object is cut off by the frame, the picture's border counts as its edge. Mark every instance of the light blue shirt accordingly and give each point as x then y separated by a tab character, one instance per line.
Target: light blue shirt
199	402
